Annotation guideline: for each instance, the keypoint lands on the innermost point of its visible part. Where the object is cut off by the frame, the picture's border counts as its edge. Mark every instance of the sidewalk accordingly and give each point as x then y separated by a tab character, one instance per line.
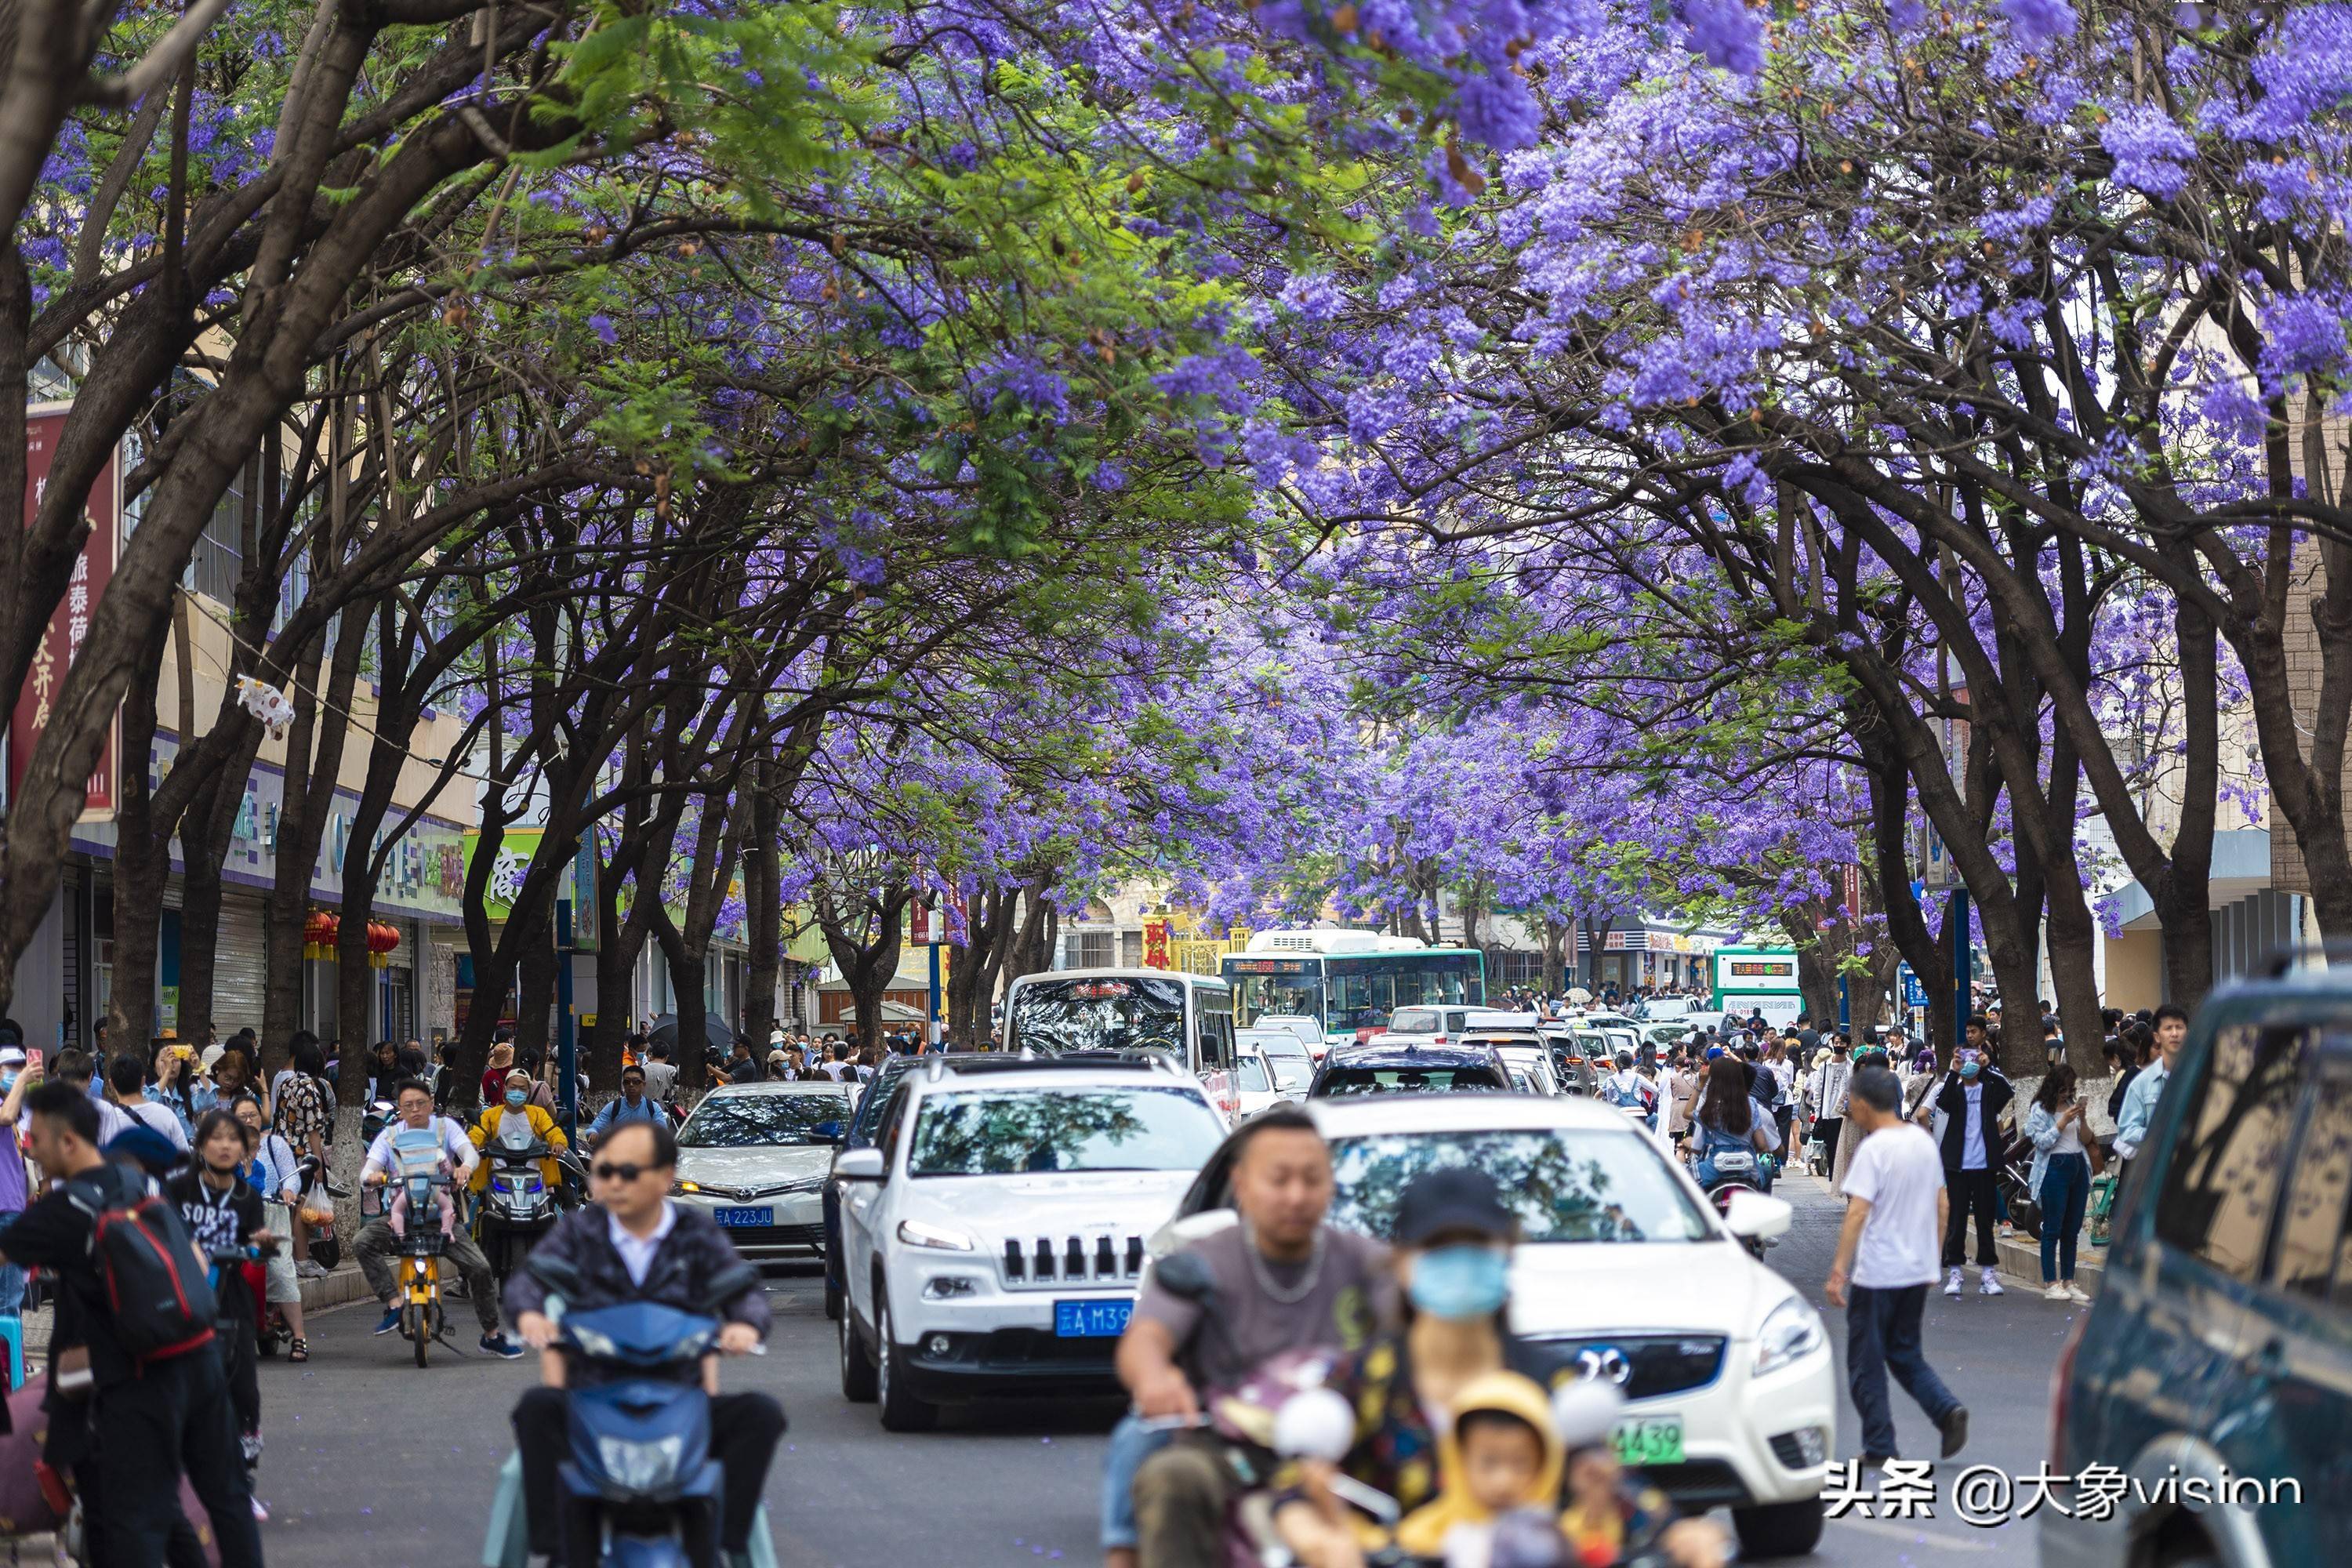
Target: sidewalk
340	1289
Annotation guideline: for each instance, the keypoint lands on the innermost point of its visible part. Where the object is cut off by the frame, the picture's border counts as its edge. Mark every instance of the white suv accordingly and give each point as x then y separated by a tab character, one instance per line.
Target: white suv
992	1241
1623	1268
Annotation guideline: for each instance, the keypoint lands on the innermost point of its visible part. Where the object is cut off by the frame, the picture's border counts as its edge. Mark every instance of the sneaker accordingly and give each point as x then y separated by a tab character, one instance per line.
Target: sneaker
1988	1281
2076	1293
389	1322
2057	1292
1952	1285
261	1511
2007	1230
499	1345
1955	1428
309	1270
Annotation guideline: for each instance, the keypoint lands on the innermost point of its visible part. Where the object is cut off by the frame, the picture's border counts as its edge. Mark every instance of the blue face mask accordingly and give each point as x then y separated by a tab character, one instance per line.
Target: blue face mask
7	1082
1463	1281
1968	1070
515	1097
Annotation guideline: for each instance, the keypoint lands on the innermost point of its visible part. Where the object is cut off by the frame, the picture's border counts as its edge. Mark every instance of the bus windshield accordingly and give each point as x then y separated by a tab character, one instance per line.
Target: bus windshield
1104	1015
1365	991
1287	988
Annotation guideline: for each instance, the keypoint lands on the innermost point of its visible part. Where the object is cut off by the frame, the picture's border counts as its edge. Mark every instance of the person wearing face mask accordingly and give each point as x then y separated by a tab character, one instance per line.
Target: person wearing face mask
1972	1097
376	1243
1453	1236
1825	1091
513	1111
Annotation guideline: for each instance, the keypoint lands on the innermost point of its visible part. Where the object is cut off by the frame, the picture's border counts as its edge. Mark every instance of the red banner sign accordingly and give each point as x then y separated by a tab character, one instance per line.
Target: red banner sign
69	623
1156	951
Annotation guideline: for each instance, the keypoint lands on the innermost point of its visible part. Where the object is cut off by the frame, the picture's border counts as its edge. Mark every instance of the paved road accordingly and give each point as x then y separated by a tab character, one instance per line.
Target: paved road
369	1460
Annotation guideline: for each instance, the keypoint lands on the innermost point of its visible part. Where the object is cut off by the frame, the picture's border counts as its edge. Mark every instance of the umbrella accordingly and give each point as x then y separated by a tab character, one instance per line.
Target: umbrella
720	1037
1579	994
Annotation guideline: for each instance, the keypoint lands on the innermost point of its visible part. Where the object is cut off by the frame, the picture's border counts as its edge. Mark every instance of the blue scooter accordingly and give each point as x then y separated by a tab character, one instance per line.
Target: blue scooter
640	1473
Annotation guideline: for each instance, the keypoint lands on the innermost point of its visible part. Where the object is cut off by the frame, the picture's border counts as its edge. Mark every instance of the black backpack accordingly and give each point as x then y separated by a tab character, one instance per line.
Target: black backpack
157	1287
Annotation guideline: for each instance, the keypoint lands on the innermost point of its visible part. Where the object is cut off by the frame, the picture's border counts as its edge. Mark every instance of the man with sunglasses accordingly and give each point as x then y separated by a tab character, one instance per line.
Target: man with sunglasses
633	1244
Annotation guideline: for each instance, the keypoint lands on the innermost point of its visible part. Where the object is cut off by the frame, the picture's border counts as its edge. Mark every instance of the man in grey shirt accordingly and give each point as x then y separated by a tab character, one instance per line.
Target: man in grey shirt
1280	1280
661	1076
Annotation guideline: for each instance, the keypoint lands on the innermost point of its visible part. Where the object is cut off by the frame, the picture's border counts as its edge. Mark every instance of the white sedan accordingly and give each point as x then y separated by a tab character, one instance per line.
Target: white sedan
1623	1265
757	1155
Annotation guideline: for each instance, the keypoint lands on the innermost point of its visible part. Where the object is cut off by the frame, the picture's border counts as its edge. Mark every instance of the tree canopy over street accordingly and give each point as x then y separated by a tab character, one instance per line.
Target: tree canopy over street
1570	456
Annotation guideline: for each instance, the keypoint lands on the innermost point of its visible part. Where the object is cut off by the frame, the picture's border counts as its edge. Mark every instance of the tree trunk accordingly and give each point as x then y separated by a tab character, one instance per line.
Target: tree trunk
206	833
142	862
763	909
314	762
535	1004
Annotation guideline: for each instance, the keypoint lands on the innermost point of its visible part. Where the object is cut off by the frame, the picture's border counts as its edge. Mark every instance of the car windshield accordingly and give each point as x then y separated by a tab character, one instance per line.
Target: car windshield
1341	1081
1414	1021
1001	1132
1104	1015
1291	1073
743	1121
1249	1076
1564	1185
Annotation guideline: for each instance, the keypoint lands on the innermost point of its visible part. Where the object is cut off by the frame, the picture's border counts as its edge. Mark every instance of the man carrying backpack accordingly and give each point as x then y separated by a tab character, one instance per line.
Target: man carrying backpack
162	1402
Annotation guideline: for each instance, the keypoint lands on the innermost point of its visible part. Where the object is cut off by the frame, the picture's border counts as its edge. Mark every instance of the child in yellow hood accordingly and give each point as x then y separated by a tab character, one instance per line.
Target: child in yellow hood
1502	1463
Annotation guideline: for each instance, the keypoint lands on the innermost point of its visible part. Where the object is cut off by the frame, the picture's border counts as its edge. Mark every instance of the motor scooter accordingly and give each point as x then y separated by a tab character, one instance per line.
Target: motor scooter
422	1243
1730	1171
640	1473
518	1206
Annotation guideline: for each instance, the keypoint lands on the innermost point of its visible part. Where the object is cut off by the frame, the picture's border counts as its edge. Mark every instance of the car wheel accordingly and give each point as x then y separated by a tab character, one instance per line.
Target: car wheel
901	1411
1779	1529
833	1305
856	1371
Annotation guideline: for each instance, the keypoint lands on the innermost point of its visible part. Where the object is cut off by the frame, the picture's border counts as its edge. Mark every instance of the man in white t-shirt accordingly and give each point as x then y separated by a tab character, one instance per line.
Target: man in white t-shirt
1895	1211
130	1080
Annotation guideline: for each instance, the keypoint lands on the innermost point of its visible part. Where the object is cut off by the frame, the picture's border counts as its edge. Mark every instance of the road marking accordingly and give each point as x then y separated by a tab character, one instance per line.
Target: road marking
1895	1530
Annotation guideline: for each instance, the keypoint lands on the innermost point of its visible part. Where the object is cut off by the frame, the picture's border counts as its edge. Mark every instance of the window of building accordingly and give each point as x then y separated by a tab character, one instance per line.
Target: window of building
1130	950
1095	950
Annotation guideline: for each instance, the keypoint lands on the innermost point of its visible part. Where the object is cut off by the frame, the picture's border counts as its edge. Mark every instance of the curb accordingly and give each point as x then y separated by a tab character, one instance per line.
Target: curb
340	1289
2020	1260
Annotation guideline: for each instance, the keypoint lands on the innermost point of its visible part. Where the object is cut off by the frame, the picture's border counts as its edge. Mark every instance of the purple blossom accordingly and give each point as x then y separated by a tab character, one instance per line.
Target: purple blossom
2151	151
2037	24
1726	33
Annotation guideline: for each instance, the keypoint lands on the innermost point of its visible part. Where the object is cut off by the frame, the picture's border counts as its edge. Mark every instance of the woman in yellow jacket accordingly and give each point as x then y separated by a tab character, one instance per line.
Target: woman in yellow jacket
517	1102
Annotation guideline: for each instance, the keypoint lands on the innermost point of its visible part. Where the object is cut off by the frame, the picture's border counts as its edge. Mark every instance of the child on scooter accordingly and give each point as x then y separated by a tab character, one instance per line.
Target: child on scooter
419	1153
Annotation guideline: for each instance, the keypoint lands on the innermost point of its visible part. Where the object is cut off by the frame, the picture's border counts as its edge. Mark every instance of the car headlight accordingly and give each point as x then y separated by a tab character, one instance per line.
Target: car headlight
685	1188
915	1233
1792	1331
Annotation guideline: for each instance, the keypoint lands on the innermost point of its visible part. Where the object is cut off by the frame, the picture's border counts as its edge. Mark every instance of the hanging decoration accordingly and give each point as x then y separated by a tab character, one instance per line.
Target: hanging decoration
266	703
318	934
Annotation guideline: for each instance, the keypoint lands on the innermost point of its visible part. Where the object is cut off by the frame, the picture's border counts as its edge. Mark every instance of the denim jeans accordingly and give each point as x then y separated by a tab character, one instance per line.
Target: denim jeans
12	1284
2066	1190
1131	1443
1882	1335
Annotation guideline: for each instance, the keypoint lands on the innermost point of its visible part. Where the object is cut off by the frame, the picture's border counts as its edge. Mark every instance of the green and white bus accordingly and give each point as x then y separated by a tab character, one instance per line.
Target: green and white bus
1348	980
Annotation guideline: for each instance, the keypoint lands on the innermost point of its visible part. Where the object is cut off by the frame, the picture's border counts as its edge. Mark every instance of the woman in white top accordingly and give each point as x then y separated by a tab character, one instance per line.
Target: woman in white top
2061	1178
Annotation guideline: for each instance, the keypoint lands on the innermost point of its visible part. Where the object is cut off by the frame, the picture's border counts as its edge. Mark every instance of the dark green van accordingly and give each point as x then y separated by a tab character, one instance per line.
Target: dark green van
2204	1407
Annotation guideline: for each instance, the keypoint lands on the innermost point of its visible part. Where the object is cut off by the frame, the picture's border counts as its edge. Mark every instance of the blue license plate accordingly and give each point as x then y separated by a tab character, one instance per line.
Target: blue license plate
1091	1320
744	1217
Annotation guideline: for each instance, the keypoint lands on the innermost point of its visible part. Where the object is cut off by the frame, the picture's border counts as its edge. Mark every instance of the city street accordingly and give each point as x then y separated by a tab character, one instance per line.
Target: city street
370	1459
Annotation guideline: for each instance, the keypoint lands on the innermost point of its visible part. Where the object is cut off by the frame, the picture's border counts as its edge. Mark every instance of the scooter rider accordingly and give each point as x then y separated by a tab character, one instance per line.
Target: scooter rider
1282	1279
376	1242
633	1244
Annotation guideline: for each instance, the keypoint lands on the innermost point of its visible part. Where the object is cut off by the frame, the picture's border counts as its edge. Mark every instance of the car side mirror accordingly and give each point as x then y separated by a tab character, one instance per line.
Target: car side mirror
1752	1216
860	1165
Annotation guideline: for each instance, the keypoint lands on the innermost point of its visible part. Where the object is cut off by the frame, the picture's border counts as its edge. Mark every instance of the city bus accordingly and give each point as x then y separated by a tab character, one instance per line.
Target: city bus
1348	980
1189	1016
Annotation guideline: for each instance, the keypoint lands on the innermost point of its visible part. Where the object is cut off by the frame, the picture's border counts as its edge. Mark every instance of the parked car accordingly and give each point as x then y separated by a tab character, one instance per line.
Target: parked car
994	1237
757	1155
1731	1395
2220	1344
1379	1069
